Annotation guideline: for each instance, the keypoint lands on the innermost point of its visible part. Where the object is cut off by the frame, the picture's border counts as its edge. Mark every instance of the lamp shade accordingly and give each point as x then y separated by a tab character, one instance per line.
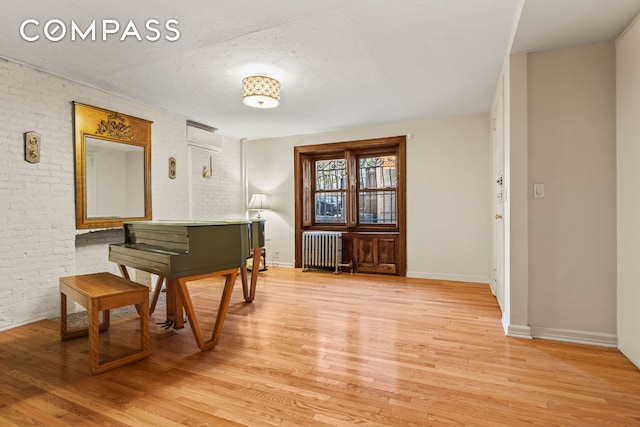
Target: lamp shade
260	92
258	202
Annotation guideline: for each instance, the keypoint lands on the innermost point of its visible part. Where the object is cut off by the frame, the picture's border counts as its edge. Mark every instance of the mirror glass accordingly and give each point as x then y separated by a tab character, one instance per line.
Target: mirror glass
114	179
113	168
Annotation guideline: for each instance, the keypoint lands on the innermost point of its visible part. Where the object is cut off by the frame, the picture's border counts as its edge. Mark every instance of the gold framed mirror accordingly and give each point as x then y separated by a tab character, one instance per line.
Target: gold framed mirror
112	167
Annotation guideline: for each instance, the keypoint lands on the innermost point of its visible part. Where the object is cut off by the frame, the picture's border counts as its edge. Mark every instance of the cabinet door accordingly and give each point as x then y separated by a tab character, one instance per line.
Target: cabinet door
376	253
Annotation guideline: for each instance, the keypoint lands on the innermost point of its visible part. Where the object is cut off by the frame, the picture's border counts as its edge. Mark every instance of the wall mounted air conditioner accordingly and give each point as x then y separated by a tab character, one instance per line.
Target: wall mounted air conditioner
203	136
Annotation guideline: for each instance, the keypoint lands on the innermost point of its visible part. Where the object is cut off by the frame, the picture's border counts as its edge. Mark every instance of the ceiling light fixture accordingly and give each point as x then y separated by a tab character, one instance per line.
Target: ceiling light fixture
260	92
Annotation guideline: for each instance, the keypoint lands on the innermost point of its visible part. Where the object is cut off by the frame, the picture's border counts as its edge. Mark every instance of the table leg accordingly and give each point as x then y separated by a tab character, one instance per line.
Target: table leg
183	294
250	292
124	271
174	307
156	294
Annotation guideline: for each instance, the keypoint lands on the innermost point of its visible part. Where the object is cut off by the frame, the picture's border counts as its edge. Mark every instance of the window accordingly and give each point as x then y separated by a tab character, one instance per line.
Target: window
330	186
377	190
350	185
357	188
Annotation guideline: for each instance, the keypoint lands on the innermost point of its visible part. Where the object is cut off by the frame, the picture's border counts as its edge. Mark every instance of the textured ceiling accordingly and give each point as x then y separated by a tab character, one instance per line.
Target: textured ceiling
341	63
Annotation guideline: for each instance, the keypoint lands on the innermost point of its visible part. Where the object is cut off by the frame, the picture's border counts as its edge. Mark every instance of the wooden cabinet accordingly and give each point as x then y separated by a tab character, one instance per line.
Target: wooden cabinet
374	252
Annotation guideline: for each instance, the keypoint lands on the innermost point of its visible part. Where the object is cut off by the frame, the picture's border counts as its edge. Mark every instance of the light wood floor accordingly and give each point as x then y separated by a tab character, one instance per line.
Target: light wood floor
316	349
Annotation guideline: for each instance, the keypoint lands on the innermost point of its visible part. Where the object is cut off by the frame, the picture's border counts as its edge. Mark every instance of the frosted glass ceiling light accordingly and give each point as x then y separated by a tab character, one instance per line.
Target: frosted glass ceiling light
260	92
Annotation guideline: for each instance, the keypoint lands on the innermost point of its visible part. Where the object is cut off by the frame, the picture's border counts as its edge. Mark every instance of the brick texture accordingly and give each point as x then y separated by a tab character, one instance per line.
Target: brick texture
38	239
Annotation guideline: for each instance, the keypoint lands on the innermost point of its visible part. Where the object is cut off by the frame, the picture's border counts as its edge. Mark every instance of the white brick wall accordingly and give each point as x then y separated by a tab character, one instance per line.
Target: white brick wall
217	197
38	239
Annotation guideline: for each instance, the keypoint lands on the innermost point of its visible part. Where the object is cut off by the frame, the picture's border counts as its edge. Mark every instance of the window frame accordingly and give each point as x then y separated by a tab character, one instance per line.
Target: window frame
314	189
366	153
304	183
351	154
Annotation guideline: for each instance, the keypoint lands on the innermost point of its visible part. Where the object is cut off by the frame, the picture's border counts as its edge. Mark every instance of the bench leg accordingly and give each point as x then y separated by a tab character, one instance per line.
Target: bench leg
94	340
94	336
63	315
66	334
145	344
95	297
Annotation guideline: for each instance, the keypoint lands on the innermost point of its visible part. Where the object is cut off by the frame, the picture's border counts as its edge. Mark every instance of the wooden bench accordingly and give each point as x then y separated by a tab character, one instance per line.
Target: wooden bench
101	292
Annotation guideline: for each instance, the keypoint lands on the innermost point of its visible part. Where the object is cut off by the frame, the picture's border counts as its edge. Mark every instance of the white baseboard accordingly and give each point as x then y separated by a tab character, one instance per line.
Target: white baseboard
448	277
632	359
516	331
574	336
280	264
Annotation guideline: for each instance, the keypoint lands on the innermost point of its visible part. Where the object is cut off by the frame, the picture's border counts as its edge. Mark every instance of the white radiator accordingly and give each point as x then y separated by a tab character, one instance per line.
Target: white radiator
321	249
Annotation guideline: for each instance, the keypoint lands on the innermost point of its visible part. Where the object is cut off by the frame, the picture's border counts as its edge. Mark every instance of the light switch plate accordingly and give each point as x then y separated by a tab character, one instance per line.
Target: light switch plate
538	190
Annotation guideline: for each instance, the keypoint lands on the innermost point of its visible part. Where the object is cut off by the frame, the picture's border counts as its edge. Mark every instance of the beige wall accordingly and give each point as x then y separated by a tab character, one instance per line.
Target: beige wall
517	318
449	214
628	187
572	236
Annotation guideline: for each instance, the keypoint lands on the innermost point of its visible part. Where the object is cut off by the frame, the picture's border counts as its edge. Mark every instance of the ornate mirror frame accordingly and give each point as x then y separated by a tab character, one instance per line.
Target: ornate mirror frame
108	126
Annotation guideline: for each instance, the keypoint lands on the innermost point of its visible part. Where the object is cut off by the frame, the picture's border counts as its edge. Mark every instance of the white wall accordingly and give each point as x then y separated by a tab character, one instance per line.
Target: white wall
516	321
571	150
221	195
628	188
449	213
38	239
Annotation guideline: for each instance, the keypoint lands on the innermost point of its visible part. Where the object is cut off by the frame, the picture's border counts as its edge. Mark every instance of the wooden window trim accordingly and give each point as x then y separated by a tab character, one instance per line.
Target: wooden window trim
304	158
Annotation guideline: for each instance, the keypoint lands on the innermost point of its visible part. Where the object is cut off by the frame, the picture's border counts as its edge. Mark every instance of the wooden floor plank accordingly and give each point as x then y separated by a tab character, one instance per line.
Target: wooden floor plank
315	349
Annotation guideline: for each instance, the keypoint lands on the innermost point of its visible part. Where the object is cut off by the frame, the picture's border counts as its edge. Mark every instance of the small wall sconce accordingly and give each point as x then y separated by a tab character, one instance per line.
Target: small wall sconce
206	173
172	167
258	202
32	147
